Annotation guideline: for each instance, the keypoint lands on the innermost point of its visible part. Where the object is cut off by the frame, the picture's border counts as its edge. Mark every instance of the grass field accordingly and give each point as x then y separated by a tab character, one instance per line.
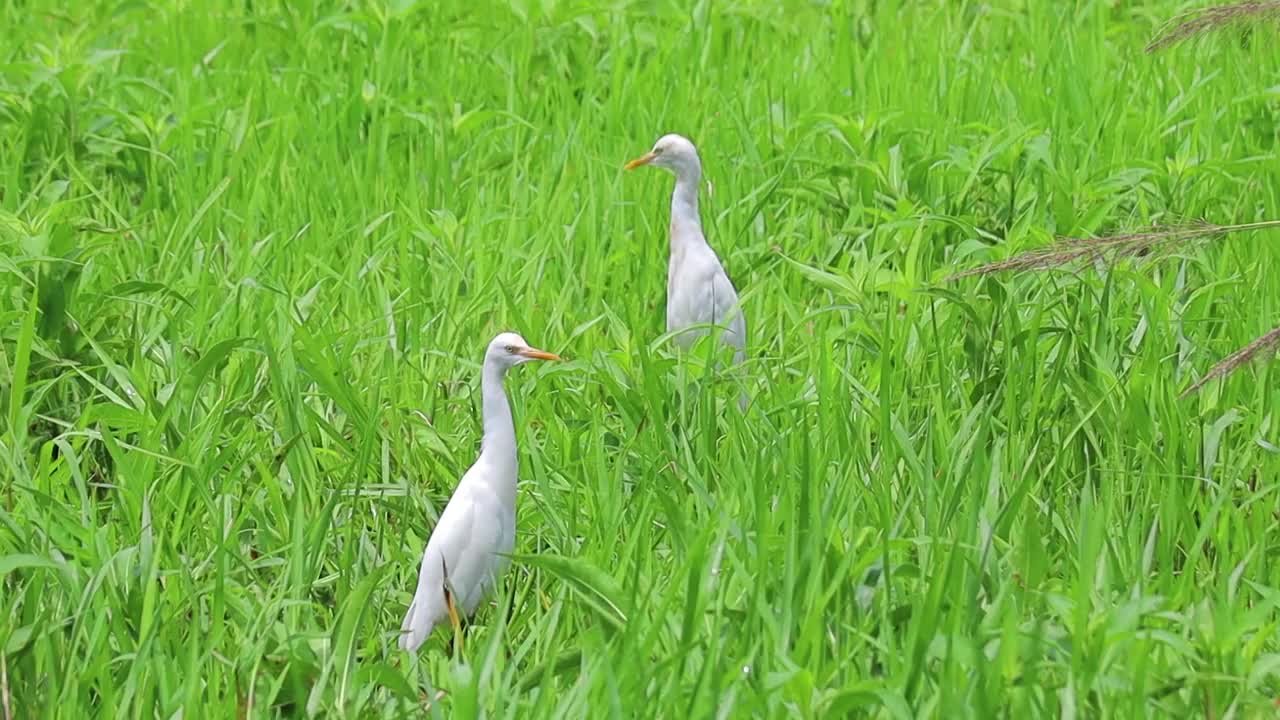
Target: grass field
251	253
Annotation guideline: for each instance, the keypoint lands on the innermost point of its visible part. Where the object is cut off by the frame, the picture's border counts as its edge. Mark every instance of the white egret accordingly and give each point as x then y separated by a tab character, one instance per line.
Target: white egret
466	552
698	289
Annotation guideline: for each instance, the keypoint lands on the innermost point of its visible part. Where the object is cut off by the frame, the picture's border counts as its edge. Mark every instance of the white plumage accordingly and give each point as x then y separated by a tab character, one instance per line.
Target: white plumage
699	291
465	555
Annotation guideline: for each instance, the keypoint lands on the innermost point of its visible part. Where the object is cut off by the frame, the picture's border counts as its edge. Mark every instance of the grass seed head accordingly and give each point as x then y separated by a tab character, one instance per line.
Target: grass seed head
1200	22
1068	251
1238	359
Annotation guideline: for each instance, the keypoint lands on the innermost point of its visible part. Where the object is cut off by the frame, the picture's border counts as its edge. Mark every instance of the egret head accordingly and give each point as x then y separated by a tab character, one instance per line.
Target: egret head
672	152
509	349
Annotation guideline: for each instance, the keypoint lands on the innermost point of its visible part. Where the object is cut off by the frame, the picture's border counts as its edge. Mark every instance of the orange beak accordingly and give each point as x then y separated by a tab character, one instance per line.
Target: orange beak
535	354
644	159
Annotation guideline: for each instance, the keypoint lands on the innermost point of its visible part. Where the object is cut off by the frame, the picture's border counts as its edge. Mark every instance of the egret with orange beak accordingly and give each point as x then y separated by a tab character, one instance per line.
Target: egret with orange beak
467	551
699	292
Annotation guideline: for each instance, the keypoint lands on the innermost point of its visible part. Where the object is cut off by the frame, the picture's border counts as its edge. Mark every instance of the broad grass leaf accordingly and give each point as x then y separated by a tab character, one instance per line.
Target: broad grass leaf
212	359
863	698
24	561
1213	438
354	611
596	587
553	667
20	561
138	287
386	676
838	284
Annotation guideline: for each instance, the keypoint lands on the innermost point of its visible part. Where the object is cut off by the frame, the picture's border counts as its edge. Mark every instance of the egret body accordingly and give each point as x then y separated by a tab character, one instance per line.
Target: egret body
465	554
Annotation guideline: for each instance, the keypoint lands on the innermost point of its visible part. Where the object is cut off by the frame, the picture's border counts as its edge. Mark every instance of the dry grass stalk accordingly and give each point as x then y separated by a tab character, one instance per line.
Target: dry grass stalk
1199	22
1067	251
1237	359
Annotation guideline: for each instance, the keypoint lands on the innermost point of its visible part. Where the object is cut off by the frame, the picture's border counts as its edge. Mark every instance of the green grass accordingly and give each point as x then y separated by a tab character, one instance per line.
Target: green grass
250	254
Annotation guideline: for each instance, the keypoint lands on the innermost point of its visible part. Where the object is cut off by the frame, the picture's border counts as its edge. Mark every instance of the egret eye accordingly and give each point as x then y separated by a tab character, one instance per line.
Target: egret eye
511	349
658	150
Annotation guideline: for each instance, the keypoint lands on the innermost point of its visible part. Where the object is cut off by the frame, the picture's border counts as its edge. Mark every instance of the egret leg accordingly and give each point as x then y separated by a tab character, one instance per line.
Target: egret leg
453	610
454	620
458	632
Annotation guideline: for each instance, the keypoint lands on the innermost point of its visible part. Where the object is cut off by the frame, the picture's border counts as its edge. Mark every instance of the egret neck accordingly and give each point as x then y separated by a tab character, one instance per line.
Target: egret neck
498	446
686	225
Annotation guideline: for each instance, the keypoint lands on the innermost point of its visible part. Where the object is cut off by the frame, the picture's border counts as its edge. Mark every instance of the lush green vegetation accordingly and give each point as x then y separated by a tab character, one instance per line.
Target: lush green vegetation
251	254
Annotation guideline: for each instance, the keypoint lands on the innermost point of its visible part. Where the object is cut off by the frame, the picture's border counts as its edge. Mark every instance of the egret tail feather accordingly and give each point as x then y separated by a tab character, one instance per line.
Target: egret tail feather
417	626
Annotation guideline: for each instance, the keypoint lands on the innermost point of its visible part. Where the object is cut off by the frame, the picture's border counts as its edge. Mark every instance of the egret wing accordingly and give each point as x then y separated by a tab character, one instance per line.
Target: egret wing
445	550
473	566
727	310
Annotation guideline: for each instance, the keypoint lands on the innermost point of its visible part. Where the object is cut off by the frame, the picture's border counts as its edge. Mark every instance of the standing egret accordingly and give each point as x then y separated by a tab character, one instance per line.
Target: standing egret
698	290
465	554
